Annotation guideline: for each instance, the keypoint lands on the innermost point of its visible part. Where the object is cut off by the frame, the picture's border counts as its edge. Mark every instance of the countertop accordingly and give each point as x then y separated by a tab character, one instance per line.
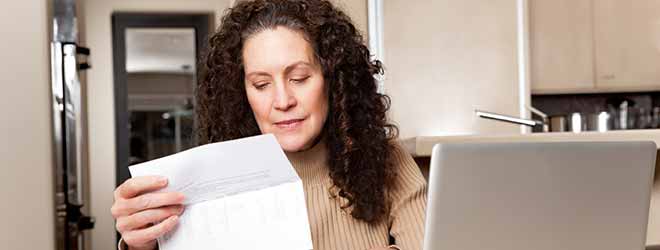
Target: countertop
421	146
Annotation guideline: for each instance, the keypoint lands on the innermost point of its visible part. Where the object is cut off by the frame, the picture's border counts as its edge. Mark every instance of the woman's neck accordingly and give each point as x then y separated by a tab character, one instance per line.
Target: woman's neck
311	163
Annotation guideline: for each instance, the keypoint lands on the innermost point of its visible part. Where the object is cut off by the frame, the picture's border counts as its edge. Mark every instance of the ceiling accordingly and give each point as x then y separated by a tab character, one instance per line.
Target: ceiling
167	50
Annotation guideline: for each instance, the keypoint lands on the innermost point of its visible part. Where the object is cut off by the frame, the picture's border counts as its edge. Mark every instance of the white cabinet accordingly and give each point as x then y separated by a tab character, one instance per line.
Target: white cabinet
627	44
561	45
588	46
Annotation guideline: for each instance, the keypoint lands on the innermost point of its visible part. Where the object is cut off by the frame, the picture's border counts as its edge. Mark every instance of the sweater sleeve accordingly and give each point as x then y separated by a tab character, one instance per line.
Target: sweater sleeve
408	205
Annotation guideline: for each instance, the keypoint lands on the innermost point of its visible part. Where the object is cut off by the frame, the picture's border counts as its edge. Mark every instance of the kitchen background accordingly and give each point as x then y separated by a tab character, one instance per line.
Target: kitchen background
597	57
444	59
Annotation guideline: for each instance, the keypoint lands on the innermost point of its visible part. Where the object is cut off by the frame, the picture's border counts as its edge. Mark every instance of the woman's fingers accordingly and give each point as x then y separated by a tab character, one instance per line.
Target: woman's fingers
144	202
146	217
136	207
139	185
146	236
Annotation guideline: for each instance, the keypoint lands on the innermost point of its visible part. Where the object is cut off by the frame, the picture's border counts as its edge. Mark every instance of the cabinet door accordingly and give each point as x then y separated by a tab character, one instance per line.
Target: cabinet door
446	58
561	46
627	42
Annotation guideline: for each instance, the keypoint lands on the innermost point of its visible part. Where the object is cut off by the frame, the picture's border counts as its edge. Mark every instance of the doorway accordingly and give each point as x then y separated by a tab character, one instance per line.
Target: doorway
155	57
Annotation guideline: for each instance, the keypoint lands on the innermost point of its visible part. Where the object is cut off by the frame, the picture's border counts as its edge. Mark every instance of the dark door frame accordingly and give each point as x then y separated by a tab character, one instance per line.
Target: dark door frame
120	22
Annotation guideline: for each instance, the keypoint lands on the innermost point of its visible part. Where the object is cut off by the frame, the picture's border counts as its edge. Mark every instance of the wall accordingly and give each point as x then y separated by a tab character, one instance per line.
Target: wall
445	58
357	10
26	182
100	93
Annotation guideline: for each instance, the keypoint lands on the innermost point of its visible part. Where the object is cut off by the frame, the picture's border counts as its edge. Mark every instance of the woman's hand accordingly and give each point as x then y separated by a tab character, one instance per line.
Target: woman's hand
142	215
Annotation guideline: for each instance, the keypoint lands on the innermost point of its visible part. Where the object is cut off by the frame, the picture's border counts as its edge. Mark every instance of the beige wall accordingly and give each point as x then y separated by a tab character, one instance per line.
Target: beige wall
100	93
445	58
357	10
26	182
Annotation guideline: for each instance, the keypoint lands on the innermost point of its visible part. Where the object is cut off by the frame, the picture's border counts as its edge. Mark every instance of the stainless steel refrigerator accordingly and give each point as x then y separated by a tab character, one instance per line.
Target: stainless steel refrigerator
68	60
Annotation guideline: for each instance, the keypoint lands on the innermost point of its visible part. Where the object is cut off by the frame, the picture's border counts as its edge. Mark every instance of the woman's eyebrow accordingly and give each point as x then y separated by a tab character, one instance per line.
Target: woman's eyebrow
287	70
254	74
297	64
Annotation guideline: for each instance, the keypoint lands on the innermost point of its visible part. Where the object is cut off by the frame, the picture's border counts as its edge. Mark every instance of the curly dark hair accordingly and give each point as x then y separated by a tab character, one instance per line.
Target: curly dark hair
360	140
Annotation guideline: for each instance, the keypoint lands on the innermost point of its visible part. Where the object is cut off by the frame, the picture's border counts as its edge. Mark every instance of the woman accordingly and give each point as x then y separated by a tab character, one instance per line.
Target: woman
300	70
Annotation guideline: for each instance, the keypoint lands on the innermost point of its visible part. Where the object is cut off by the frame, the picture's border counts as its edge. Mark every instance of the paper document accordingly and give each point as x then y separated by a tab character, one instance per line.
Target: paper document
240	194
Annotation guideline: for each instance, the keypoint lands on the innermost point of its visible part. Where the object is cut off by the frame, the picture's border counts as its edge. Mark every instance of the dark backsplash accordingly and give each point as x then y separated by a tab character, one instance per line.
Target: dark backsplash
592	103
640	104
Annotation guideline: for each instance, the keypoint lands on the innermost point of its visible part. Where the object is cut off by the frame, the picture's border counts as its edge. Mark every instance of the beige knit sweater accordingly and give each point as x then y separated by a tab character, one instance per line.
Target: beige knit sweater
335	229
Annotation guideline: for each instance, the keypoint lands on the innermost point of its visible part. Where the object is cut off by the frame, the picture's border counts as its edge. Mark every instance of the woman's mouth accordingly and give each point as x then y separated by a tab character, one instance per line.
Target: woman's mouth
289	124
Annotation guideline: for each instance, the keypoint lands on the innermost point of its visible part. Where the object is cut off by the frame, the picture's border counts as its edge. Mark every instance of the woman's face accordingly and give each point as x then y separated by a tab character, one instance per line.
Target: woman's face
285	87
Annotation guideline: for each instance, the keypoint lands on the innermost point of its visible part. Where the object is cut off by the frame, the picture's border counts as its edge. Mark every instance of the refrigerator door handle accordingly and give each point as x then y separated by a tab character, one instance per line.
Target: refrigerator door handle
73	122
57	102
72	116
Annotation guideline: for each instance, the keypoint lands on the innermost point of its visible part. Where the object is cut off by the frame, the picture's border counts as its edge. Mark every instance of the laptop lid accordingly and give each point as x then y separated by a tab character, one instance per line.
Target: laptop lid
550	195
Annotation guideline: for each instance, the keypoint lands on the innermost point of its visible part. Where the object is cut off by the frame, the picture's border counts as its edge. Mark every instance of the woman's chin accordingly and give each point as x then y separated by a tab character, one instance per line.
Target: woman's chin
291	143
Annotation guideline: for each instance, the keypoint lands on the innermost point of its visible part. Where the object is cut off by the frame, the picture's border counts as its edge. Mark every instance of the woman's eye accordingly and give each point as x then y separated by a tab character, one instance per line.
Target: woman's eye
261	85
299	80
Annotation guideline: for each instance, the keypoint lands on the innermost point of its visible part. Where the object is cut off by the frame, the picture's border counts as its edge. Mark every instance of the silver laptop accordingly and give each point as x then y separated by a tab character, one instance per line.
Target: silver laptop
556	195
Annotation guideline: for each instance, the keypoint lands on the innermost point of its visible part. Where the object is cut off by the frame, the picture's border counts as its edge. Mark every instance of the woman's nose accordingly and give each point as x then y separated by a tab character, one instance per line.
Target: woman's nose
284	99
